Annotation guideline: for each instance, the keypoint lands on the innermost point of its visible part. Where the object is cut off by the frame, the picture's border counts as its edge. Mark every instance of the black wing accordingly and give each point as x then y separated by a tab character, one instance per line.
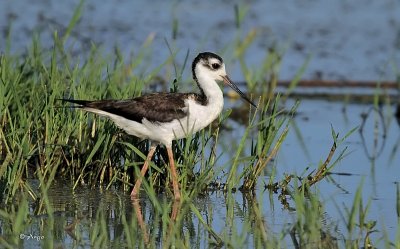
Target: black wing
156	107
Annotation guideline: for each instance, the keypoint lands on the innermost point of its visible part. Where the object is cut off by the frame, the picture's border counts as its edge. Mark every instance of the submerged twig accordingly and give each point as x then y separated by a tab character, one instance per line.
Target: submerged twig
321	173
282	186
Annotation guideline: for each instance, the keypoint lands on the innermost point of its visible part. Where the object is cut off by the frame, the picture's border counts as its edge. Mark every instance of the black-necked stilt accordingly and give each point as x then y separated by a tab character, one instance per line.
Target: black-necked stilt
163	117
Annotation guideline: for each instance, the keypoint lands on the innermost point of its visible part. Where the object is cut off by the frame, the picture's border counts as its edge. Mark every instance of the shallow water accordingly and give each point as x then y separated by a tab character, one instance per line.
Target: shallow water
354	40
378	171
378	178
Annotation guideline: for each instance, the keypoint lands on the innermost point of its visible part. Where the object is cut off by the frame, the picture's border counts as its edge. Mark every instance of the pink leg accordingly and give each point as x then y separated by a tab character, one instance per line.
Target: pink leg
136	188
140	220
174	175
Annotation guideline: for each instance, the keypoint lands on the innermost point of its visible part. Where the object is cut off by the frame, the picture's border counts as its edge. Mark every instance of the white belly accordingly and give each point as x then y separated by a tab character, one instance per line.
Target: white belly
198	118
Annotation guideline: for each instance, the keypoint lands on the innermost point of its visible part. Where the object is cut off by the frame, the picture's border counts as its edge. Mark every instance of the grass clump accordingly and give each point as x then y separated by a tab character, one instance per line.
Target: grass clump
38	135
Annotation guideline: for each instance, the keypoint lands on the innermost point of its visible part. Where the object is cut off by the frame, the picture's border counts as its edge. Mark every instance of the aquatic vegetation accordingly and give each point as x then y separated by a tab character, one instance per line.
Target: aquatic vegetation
45	144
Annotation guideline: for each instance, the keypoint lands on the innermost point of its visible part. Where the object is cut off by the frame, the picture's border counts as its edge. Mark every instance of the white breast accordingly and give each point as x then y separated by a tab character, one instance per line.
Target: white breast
198	117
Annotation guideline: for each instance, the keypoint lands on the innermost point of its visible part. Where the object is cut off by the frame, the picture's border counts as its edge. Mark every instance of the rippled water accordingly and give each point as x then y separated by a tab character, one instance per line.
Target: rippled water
354	40
347	40
375	173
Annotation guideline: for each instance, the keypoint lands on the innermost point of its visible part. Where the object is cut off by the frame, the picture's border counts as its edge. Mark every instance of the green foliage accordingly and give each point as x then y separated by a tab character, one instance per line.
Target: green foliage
43	142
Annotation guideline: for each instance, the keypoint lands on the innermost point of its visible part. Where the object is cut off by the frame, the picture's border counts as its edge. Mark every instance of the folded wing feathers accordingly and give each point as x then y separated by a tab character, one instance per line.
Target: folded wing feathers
156	107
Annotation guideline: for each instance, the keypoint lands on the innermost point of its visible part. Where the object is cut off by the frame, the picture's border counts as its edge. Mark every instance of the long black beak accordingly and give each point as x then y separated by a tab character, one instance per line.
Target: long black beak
236	89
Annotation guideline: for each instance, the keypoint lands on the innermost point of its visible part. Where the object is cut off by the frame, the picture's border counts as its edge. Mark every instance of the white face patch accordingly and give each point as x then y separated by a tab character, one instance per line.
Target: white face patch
206	68
213	60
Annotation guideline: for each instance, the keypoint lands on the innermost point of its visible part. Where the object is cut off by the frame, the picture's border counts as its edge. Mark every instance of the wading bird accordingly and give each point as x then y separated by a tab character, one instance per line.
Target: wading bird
163	117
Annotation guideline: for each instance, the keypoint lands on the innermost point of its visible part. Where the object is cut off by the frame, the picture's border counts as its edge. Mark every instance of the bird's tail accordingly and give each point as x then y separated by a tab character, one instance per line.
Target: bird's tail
80	103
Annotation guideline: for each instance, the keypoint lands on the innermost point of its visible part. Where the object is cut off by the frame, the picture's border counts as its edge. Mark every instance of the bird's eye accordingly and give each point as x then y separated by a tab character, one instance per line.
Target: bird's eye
215	66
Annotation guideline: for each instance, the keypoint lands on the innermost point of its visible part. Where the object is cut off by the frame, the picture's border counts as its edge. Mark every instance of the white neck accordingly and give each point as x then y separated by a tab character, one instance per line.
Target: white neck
210	88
